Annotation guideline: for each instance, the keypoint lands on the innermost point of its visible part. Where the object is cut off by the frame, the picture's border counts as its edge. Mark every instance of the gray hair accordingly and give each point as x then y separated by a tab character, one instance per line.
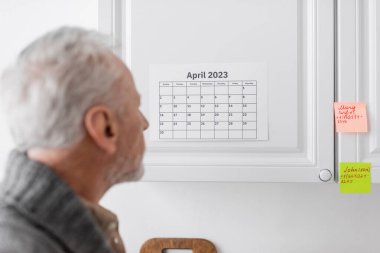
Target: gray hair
52	84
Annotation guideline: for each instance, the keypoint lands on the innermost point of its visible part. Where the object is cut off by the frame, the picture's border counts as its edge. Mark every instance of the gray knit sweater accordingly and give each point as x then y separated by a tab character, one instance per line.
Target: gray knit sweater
39	213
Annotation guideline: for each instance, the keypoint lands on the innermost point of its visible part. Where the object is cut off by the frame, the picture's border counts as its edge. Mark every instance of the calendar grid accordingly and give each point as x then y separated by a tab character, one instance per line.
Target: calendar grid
186	112
228	124
214	110
208	109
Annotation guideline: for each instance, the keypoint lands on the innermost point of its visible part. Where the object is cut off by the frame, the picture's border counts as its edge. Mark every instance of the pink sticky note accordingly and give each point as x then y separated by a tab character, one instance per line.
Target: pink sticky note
350	117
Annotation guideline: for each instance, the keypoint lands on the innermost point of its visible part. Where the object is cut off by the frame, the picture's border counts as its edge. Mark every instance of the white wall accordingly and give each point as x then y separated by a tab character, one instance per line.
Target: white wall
237	217
248	218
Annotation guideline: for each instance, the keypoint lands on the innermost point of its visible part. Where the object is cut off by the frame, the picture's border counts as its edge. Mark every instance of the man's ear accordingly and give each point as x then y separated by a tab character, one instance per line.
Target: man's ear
102	126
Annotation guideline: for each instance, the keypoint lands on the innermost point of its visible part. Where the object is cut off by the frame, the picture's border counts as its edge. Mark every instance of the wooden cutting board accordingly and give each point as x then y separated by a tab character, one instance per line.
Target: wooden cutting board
158	245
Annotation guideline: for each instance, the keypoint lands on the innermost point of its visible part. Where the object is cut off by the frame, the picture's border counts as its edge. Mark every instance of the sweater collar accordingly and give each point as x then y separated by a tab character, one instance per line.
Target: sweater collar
41	195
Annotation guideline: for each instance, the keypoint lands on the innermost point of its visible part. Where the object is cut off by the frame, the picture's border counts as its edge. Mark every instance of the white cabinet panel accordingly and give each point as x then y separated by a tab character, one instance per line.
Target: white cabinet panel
358	56
293	38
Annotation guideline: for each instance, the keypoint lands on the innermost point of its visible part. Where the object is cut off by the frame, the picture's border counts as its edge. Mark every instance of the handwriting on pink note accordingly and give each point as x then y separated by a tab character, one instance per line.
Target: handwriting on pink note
350	117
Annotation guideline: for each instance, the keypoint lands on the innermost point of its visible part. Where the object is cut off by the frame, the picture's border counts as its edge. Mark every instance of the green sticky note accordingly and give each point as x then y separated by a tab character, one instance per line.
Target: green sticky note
355	177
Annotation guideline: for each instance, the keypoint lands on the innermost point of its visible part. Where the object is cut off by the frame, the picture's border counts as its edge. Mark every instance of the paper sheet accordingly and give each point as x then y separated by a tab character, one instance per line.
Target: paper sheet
208	102
355	177
350	117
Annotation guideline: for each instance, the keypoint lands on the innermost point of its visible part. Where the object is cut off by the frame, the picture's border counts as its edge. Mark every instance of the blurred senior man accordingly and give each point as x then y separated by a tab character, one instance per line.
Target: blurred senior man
73	111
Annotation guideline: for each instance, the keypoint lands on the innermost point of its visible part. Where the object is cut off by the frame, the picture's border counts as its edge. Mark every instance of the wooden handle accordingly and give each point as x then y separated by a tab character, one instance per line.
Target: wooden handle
157	245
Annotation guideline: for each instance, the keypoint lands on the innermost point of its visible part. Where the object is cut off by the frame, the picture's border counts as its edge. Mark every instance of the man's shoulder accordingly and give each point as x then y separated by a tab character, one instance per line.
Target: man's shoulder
18	233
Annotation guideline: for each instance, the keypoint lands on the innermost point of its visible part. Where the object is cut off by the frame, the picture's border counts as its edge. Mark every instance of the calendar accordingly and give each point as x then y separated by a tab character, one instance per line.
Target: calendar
208	102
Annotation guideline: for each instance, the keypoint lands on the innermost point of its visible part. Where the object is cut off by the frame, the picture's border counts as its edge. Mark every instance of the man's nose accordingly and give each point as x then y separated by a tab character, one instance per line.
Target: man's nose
145	122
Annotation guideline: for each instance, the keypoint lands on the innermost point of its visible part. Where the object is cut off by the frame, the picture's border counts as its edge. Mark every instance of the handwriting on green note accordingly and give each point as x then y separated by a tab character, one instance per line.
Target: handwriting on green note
355	177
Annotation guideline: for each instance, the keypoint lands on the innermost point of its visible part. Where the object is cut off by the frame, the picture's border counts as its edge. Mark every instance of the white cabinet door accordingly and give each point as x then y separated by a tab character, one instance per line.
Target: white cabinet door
294	39
358	56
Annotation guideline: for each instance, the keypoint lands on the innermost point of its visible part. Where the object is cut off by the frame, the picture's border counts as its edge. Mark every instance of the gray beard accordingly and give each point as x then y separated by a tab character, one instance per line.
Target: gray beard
116	175
133	176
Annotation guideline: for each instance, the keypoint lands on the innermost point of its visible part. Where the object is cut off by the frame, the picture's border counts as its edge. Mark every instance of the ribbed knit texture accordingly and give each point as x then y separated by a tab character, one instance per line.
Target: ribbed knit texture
33	192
